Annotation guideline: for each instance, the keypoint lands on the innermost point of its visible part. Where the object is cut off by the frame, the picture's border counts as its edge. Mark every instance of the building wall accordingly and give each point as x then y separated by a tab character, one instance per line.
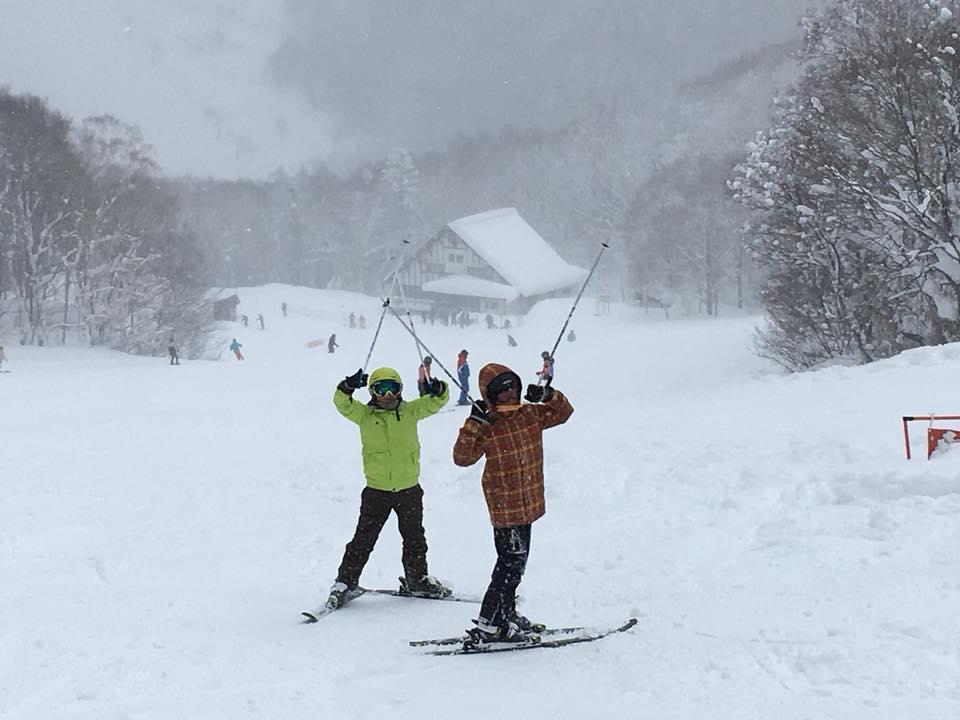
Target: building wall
447	254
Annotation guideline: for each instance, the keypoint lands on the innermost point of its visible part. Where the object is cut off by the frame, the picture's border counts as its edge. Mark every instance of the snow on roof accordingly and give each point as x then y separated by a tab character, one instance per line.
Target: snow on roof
471	287
215	294
515	250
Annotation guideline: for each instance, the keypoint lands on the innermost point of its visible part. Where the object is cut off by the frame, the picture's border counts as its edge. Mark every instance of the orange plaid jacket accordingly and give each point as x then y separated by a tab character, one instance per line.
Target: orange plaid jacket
513	446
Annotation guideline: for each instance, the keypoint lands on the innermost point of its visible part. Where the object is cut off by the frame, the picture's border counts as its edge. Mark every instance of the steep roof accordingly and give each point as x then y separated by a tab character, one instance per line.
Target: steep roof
514	249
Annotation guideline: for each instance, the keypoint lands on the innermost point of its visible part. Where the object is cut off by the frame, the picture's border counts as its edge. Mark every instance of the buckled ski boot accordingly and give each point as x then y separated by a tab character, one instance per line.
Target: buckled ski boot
486	632
340	595
427	587
524	624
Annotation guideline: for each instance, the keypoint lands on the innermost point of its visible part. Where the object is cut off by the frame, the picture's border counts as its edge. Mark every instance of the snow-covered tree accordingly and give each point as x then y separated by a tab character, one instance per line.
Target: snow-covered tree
853	191
139	275
88	241
42	182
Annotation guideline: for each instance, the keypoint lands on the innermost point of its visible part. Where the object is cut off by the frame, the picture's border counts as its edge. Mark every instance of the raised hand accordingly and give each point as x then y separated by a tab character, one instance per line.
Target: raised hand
480	413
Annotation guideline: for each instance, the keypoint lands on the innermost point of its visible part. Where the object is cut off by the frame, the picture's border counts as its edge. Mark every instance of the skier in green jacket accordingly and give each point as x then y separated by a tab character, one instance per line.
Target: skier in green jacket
391	464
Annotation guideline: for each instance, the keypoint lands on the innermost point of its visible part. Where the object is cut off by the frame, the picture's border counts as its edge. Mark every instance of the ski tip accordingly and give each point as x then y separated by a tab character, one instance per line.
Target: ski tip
308	618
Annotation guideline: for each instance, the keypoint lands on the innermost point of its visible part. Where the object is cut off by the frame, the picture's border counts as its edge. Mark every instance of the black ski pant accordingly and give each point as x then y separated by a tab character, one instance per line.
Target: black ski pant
513	547
375	508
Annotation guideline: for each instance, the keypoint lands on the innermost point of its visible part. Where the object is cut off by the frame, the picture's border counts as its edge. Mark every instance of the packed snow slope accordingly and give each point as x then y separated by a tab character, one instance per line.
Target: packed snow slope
161	528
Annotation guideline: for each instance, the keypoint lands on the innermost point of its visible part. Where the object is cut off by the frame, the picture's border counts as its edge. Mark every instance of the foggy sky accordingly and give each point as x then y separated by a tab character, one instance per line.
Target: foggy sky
241	88
411	74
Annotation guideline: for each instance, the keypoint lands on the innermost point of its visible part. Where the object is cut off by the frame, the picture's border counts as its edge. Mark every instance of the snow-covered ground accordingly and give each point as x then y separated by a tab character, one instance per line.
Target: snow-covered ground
161	528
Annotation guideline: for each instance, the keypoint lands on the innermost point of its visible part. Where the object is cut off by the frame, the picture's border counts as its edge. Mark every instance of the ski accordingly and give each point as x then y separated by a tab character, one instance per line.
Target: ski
448	598
311	617
324	610
536	641
460	639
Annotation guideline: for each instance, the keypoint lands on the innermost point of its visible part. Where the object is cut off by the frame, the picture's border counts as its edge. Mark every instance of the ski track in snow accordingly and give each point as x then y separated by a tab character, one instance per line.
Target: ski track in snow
162	528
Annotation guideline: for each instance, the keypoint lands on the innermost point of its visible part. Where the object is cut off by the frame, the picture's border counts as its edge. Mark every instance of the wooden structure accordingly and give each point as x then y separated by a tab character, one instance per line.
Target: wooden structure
226	308
493	262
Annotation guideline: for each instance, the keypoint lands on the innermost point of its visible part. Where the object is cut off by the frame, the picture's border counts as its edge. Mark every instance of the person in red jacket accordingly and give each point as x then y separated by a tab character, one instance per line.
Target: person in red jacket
425	376
510	434
546	372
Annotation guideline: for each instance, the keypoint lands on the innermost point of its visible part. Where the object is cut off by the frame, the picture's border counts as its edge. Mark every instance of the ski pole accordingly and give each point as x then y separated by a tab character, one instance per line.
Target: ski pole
386	304
435	360
396	273
416	340
403	299
575	302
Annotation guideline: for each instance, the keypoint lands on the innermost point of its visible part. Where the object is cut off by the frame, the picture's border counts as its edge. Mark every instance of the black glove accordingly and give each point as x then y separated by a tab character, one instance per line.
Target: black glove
538	393
352	382
437	387
479	413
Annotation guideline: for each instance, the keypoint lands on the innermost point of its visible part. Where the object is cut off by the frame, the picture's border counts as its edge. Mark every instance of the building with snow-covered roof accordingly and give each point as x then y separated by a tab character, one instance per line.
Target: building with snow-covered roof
493	262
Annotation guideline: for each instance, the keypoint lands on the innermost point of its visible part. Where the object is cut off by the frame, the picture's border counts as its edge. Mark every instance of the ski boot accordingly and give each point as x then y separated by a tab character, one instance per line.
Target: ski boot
485	633
340	595
427	587
524	624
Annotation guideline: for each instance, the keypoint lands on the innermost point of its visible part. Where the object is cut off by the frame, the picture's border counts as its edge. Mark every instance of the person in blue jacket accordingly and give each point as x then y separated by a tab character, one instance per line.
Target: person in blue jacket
463	377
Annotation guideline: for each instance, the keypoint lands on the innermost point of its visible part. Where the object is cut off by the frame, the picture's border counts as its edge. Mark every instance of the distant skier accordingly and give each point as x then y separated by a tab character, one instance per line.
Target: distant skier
463	377
425	376
246	320
546	372
391	465
332	343
490	324
235	349
510	341
353	320
510	434
172	349
260	320
571	336
3	357
362	322
283	308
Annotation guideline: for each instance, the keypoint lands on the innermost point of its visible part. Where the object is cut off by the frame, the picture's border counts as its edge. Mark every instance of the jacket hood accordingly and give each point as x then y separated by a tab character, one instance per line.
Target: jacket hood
487	373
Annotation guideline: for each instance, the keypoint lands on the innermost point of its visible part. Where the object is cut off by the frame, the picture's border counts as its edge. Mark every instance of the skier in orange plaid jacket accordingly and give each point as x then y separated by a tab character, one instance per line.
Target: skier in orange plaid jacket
510	434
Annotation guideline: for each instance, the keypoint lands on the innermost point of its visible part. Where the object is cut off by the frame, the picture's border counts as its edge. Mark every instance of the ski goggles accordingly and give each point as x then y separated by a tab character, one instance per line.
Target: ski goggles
386	387
503	381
